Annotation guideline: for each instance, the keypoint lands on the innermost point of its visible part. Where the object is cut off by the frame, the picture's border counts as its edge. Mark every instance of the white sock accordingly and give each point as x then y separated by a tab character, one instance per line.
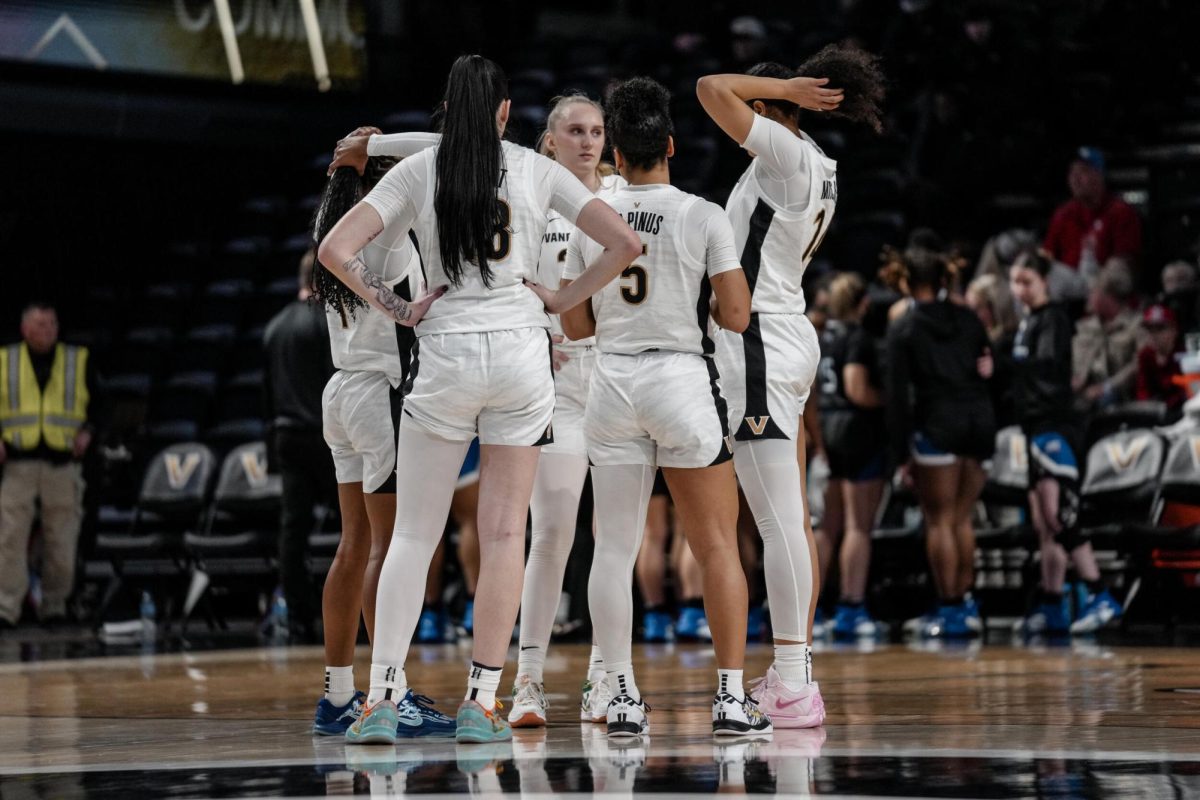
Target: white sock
388	682
620	680
729	681
482	683
339	684
793	662
595	665
532	662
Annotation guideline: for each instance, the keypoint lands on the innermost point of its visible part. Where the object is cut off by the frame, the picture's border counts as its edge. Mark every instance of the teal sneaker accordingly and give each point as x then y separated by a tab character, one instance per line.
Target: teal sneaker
377	725
478	725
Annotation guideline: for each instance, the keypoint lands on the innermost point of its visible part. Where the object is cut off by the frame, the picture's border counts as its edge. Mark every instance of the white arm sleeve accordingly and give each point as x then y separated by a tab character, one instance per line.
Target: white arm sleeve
401	145
399	196
558	189
781	153
708	236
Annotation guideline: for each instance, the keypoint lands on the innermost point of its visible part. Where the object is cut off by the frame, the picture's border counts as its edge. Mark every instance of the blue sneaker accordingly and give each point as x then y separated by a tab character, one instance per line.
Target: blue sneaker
416	718
1047	618
429	627
690	622
821	624
756	624
477	725
970	612
377	725
333	720
468	620
948	622
656	627
853	622
1101	609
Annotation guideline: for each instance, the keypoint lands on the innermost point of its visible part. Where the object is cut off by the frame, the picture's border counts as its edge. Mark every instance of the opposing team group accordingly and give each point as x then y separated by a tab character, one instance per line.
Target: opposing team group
567	315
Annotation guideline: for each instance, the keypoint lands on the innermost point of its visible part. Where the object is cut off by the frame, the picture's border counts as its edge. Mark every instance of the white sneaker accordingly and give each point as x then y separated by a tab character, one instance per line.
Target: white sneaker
529	704
593	705
733	717
627	717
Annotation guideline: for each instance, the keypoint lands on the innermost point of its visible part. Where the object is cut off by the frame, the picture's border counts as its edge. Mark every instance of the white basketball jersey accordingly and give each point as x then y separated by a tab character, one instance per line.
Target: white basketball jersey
781	209
368	340
530	186
661	301
554	253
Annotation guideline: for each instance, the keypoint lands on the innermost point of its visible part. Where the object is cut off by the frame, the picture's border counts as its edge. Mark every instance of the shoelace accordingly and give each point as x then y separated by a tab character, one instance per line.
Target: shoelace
425	703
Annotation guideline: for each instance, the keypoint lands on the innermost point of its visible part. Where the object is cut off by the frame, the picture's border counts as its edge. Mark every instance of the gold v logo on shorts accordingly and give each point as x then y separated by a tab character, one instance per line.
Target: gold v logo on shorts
758	424
179	470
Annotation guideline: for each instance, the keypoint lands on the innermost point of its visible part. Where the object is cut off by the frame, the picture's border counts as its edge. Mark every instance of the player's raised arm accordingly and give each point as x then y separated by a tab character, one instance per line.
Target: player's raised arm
733	100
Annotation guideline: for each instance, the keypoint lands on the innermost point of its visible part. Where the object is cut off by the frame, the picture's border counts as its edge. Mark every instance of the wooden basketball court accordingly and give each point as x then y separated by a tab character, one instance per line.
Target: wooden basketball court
971	721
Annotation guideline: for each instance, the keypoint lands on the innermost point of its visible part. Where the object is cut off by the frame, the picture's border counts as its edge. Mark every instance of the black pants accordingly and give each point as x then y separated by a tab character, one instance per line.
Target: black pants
306	468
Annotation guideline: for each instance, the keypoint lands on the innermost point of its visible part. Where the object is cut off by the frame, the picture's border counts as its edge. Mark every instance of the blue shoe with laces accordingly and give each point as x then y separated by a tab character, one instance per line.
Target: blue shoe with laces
1101	609
417	718
853	622
333	720
429	627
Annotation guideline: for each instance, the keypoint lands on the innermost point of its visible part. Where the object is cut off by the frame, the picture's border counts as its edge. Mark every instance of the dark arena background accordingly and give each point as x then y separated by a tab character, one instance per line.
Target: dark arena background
163	162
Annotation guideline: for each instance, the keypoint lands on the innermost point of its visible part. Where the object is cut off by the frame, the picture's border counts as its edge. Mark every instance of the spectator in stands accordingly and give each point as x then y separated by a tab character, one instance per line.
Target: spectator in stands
48	402
1157	365
1094	224
1181	294
299	364
989	297
1104	348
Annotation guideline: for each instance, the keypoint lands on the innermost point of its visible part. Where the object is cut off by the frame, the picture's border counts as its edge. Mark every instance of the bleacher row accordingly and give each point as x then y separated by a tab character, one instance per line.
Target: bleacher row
191	521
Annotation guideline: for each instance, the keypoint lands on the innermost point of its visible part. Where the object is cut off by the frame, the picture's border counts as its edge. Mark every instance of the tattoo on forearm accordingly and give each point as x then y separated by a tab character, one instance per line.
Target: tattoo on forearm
388	300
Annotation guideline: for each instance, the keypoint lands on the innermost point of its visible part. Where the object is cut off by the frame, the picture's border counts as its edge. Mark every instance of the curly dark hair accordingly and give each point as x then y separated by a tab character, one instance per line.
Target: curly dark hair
773	69
638	121
342	192
858	73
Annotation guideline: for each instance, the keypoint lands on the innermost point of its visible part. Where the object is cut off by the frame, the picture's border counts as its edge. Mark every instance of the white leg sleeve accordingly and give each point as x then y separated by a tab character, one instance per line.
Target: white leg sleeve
426	469
770	477
554	510
622	495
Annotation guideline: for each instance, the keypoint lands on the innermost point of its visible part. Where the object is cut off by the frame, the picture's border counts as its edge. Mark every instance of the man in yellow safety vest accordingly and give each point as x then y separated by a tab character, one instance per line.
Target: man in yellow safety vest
46	393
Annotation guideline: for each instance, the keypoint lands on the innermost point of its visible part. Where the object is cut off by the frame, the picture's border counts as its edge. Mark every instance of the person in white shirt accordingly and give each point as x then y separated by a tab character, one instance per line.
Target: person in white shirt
781	209
361	417
654	402
482	366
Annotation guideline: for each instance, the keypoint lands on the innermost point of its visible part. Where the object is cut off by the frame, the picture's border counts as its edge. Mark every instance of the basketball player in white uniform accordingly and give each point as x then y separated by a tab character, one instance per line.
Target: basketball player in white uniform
654	402
477	207
575	138
780	209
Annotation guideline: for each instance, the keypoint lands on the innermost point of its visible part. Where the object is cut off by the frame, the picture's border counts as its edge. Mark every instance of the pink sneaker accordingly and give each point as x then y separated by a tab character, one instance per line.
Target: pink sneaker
787	708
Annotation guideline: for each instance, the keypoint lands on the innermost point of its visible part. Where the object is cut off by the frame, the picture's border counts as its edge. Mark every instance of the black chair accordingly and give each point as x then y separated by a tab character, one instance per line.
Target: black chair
143	350
180	409
166	304
172	500
238	540
205	348
239	412
1137	414
1165	555
223	302
1003	547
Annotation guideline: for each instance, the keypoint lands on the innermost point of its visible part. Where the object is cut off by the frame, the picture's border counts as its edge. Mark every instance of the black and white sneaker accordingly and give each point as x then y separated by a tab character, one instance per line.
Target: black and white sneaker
627	717
733	717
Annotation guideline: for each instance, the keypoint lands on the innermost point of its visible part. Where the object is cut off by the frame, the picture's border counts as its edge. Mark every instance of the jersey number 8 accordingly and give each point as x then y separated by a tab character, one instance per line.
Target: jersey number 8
635	292
502	236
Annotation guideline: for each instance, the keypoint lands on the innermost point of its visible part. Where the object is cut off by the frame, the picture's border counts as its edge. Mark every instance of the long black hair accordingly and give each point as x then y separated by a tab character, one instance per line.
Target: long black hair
469	167
343	190
638	121
858	73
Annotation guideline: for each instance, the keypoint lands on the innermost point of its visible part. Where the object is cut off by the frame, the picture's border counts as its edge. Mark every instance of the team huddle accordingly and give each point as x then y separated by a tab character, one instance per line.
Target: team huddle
572	318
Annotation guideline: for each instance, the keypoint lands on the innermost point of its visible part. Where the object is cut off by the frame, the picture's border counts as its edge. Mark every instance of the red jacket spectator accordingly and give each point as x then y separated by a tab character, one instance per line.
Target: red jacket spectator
1157	366
1092	213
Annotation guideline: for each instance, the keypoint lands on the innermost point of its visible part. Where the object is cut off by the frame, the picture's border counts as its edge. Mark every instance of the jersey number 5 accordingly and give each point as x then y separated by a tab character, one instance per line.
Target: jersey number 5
502	235
636	290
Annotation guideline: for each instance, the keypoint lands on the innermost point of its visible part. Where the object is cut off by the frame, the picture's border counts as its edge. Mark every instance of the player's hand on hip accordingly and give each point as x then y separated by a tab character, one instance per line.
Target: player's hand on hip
83	440
811	93
548	296
558	358
418	308
350	152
